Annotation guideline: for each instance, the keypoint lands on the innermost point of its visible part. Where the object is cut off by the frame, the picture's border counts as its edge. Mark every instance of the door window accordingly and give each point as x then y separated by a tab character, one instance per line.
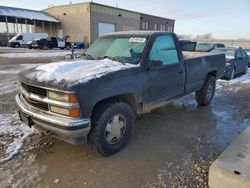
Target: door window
244	54
20	37
238	54
164	50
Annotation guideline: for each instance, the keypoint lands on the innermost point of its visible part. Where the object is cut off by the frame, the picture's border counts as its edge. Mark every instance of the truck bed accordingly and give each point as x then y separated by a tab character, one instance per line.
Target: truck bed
187	54
198	64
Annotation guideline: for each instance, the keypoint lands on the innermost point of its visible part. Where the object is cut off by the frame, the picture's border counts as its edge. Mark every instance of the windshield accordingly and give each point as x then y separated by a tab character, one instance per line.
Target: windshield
122	49
203	47
227	52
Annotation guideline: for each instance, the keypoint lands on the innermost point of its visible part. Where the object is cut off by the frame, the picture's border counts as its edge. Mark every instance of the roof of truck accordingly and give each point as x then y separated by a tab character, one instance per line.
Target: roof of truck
138	33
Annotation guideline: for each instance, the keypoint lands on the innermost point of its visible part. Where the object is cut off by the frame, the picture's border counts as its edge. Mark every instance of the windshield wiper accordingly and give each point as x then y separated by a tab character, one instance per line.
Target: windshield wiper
88	56
116	58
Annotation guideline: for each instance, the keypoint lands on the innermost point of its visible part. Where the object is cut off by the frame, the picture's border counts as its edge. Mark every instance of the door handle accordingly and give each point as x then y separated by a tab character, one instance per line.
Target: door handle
181	71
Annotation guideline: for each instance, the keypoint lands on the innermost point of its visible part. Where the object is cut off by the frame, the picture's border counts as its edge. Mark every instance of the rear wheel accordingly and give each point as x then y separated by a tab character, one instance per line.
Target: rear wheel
205	95
112	127
17	45
45	47
67	47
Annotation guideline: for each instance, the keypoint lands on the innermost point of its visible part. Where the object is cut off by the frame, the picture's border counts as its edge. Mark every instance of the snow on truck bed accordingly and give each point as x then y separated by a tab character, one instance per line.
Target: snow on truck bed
187	54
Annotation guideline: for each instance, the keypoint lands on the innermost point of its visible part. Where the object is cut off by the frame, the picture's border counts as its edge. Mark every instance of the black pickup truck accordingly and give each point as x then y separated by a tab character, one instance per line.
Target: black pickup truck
50	43
95	99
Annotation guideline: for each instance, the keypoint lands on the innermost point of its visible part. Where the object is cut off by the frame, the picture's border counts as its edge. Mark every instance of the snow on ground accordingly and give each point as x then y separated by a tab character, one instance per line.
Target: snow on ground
12	131
35	54
10	126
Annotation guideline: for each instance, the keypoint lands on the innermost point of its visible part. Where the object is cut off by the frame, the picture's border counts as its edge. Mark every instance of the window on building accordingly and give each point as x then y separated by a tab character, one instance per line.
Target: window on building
163	27
156	27
144	25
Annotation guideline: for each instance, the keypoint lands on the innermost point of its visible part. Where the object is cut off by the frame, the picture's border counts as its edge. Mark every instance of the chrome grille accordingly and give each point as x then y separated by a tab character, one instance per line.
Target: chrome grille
37	104
33	89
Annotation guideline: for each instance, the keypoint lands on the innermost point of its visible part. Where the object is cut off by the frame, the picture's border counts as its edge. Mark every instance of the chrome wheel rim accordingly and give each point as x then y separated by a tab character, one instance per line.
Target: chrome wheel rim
115	129
232	74
210	91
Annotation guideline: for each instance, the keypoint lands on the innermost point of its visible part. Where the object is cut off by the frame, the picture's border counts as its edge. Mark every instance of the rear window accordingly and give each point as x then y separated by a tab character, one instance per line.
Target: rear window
203	47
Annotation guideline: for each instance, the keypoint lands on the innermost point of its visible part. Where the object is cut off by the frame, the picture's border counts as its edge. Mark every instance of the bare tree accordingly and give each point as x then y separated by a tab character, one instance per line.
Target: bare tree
205	36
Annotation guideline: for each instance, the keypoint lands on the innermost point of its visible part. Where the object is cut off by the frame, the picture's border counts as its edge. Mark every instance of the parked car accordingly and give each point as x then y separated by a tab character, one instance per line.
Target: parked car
50	43
79	45
30	43
206	47
20	40
236	61
95	99
248	53
187	45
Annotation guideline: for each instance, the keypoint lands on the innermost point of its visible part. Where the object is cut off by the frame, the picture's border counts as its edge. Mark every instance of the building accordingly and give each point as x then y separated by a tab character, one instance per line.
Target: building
17	20
85	22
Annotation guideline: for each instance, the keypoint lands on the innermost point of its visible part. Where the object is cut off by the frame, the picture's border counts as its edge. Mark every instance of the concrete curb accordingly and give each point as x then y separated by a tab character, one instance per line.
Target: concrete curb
232	168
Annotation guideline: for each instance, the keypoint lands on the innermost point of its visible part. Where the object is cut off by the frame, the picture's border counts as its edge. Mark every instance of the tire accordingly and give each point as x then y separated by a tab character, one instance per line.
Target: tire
205	95
17	45
45	47
246	70
232	74
67	47
105	120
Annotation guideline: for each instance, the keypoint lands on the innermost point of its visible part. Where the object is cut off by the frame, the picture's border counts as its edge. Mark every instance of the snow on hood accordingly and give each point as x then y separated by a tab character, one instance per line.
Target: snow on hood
74	72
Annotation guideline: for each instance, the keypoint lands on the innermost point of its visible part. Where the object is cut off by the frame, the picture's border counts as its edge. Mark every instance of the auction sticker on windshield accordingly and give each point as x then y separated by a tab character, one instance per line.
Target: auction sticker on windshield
137	39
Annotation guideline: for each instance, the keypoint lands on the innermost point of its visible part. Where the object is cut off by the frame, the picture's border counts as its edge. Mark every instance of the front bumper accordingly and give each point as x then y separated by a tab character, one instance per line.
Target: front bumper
70	130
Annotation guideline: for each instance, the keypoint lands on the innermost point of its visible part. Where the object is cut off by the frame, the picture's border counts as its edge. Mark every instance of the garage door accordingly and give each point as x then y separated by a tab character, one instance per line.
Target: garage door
104	28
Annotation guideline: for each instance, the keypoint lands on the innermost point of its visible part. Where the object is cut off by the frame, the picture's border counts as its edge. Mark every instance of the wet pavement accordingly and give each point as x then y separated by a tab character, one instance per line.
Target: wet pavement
172	146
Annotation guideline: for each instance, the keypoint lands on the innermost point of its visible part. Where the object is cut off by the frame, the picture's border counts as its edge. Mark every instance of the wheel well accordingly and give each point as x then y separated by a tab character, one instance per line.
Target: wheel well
213	73
127	98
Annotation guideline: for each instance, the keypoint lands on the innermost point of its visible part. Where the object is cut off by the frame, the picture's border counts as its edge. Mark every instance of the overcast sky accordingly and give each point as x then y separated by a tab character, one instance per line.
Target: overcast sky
227	19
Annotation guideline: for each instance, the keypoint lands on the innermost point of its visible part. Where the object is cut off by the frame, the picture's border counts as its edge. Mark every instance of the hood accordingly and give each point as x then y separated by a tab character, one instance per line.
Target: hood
66	74
13	39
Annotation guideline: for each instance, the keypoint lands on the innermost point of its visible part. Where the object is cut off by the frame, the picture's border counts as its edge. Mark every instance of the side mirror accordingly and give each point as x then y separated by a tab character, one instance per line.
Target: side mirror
154	64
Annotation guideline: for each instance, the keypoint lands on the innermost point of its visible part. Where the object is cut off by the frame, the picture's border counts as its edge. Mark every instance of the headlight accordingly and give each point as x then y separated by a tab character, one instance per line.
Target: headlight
72	112
64	97
228	64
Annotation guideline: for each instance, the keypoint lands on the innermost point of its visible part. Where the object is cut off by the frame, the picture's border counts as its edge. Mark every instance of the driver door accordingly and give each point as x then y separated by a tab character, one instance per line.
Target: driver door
167	79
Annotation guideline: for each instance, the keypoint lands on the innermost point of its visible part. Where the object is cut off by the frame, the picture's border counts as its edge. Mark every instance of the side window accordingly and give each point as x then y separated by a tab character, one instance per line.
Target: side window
59	40
164	50
20	37
244	54
238	54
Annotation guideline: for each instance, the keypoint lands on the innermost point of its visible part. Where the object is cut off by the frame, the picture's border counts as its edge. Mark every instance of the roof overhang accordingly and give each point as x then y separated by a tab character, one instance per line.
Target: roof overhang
24	14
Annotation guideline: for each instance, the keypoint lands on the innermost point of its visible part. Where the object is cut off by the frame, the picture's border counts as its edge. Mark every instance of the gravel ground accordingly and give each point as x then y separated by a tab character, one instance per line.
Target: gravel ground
172	146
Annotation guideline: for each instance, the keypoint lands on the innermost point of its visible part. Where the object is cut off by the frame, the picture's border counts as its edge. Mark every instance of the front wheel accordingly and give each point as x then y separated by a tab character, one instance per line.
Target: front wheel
246	70
232	74
205	95
112	127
